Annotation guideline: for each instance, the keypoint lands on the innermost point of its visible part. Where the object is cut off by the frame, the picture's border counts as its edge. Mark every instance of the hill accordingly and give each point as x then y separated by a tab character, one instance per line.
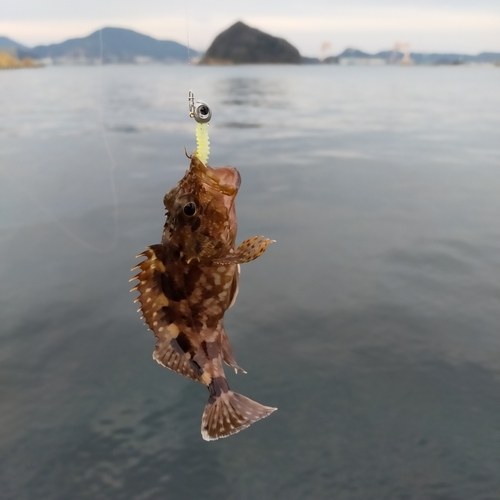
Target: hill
423	58
8	43
356	54
119	45
241	44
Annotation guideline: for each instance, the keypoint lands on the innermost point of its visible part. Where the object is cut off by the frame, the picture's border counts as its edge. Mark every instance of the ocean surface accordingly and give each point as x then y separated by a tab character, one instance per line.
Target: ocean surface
373	323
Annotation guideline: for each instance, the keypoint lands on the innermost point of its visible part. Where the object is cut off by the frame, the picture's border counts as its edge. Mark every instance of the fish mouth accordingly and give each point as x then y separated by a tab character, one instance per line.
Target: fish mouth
225	180
228	177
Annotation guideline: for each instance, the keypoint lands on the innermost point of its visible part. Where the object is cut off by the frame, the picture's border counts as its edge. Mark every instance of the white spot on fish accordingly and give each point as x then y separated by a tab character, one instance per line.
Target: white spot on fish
173	329
221	269
216	278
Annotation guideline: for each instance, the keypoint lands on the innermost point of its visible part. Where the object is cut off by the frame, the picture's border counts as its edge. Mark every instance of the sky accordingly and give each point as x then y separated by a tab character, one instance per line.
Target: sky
465	26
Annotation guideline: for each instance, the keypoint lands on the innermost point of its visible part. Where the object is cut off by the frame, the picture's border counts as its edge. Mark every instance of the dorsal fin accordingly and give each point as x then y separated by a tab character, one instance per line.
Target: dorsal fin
169	352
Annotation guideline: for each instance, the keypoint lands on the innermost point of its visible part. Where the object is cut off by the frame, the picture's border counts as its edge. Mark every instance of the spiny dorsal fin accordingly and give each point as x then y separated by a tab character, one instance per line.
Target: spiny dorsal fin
155	309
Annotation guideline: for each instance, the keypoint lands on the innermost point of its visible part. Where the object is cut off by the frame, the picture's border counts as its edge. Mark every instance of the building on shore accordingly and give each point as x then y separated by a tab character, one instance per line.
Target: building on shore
362	61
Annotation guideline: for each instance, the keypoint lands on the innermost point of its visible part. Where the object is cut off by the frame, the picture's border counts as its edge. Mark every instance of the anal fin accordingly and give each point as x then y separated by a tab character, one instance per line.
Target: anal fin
227	354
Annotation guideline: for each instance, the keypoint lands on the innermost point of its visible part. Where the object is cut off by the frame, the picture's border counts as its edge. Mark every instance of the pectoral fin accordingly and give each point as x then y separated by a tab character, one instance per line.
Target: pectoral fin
248	250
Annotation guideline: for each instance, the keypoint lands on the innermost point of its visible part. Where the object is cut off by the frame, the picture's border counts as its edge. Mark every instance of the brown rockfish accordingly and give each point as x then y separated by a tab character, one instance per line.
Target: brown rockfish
189	280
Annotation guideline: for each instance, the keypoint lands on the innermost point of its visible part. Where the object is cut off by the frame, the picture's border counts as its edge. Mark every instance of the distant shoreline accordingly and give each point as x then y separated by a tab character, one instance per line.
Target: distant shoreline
123	46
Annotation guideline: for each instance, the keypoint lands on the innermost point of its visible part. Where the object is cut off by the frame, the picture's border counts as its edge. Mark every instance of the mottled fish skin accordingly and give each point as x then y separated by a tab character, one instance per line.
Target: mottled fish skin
186	284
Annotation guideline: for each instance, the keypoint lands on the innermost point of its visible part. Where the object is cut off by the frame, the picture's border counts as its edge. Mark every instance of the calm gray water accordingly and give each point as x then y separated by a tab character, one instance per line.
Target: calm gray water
372	323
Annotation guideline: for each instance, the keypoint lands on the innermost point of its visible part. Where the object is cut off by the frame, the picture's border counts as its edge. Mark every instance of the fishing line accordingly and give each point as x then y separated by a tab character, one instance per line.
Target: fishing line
198	110
111	158
202	115
186	6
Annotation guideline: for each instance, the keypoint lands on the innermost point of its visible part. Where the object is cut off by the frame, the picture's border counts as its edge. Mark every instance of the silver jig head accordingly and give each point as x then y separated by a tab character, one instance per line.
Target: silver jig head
198	110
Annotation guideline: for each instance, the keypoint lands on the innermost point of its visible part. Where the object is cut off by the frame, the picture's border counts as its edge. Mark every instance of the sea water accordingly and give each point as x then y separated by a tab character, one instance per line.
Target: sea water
372	323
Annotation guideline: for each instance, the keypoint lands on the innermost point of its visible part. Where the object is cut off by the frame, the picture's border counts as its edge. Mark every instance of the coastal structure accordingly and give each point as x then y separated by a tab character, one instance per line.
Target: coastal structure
361	61
401	54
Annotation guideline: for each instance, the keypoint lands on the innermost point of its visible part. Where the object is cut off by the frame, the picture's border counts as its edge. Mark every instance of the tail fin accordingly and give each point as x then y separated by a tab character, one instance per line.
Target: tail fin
230	413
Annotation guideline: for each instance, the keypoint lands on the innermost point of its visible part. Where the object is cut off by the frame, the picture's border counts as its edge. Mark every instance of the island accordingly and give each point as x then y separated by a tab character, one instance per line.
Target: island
241	44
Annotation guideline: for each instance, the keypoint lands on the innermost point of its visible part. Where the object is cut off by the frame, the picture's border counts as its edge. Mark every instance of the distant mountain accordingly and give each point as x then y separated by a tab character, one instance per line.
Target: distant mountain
118	46
424	58
7	43
330	60
488	57
309	60
430	58
356	53
241	44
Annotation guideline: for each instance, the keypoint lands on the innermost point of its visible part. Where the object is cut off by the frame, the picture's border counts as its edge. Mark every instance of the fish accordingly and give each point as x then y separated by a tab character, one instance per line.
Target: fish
188	281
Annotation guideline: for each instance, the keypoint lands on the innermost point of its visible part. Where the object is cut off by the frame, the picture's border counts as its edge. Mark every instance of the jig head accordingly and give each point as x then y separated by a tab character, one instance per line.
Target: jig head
202	113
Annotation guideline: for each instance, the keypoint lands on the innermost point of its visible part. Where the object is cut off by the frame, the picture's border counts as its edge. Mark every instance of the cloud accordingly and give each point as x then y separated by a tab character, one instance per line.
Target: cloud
429	20
427	28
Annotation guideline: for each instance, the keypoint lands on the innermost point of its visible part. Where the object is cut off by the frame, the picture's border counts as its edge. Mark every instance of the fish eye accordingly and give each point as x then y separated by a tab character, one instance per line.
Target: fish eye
189	209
